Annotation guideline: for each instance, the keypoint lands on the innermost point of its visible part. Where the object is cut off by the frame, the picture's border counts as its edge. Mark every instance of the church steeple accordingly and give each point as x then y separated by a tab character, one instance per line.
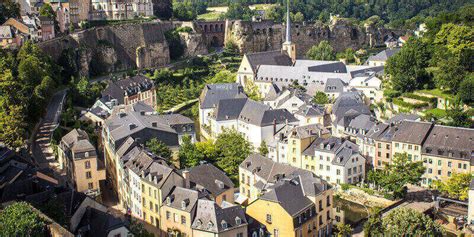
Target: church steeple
288	47
288	23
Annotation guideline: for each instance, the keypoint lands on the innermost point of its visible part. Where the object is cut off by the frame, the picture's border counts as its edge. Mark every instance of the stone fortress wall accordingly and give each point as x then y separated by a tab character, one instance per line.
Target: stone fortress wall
122	47
341	34
129	46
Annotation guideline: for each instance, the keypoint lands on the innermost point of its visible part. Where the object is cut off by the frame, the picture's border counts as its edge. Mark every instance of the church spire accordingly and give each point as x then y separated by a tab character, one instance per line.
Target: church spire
288	22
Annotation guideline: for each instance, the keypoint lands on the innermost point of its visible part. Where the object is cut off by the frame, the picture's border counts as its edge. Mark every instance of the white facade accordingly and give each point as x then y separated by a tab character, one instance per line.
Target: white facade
352	171
120	10
370	86
135	194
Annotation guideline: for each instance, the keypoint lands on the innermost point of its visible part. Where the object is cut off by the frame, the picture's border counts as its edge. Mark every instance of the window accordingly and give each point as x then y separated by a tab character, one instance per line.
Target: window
439	172
269	218
328	168
90	185
328	215
349	171
379	145
328	201
430	171
320	205
449	173
320	157
240	235
416	148
338	172
87	164
168	215
321	167
88	175
409	147
397	145
439	162
388	146
449	164
183	220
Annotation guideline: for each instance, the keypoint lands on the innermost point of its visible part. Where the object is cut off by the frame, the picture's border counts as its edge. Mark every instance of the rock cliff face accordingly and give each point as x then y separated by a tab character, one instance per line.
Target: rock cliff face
121	47
265	35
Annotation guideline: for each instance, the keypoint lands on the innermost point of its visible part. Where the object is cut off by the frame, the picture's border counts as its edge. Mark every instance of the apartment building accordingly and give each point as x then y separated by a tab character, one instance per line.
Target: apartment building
286	200
336	160
178	212
212	220
120	10
289	143
130	90
125	127
347	107
84	171
447	150
409	137
206	178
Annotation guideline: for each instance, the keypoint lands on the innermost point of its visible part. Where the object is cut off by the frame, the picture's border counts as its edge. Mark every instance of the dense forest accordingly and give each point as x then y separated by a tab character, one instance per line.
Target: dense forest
439	62
395	13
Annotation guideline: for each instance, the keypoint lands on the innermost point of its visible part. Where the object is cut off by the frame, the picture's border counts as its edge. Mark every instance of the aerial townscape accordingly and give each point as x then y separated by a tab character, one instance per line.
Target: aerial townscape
262	118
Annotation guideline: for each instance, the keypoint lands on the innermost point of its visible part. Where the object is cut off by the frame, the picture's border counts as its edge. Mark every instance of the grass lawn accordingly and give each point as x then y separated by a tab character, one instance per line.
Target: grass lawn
438	92
210	16
438	113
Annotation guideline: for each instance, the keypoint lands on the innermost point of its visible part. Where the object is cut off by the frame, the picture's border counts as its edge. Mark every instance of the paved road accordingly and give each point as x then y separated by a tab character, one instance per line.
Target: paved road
42	151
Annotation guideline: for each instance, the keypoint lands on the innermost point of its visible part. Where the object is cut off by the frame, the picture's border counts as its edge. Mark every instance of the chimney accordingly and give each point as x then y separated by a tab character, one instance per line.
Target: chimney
154	124
274	126
132	126
142	112
186	178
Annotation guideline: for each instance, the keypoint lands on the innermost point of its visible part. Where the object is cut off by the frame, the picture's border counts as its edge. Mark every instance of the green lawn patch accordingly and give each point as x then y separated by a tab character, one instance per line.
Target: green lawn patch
210	16
438	113
438	93
400	102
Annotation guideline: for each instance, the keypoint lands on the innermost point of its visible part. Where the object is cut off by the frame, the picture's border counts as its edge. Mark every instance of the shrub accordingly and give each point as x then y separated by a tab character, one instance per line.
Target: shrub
345	187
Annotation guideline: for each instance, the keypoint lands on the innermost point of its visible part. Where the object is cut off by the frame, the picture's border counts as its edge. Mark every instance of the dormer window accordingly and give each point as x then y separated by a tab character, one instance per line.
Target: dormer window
210	224
238	221
86	154
224	224
168	201
183	204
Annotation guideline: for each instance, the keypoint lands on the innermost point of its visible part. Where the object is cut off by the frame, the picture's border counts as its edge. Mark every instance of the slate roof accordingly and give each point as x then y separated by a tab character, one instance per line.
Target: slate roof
400	117
77	141
96	222
362	122
308	131
384	55
262	115
329	66
343	150
334	85
412	132
265	168
181	196
454	142
310	111
289	194
210	177
348	104
138	125
176	119
213	93
210	217
268	58
273	92
229	109
128	86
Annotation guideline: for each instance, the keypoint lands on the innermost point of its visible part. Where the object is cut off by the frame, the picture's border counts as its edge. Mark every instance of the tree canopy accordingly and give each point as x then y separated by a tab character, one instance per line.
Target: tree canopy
9	9
457	186
322	51
158	148
19	219
394	177
320	98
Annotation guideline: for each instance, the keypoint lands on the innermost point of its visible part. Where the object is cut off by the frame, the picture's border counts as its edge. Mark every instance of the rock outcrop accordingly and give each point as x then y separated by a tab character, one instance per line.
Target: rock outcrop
341	34
121	47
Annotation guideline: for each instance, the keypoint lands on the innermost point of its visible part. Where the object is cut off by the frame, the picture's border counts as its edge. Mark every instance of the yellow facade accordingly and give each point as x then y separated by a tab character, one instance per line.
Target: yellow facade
151	203
442	168
175	221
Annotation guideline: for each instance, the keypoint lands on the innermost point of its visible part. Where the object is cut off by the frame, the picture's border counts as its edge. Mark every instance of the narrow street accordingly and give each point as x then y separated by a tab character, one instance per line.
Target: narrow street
42	151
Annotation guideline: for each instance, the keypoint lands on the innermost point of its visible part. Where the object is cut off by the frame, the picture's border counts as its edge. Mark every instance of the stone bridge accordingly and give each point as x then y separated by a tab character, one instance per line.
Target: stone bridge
214	32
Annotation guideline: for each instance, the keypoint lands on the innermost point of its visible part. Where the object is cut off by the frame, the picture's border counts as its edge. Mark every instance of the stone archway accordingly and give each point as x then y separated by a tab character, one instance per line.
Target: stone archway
215	41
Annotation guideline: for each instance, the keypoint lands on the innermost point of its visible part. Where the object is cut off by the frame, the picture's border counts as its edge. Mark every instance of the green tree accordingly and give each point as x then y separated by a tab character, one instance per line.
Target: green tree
19	219
275	13
297	17
183	11
13	126
322	51
320	98
9	9
163	9
263	149
189	156
238	11
450	73
394	177
405	220
231	48
374	226
47	11
234	148
348	54
407	68
158	148
456	38
82	86
466	90
175	45
139	230
457	186
457	116
343	230
224	76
